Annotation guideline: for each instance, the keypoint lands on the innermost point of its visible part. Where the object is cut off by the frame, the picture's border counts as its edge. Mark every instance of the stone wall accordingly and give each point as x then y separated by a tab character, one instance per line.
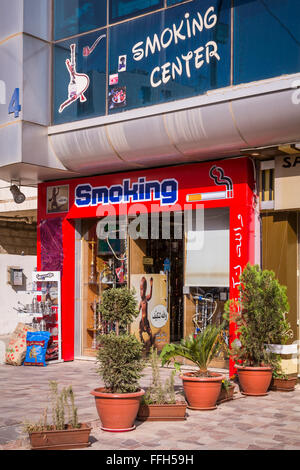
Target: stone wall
18	238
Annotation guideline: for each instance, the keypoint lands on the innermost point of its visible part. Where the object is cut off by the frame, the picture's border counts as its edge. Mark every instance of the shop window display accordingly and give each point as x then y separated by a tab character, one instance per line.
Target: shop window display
160	272
104	267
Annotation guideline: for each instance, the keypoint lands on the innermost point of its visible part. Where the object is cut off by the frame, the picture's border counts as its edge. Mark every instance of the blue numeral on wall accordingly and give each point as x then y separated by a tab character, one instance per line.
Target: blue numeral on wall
14	105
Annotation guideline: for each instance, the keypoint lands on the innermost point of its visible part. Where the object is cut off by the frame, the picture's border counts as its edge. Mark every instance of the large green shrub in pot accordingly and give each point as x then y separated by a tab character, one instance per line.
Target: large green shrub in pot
120	354
260	316
119	306
120	362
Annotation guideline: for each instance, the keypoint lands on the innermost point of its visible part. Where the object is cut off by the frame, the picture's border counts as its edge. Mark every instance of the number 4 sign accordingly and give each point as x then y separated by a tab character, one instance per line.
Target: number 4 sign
14	105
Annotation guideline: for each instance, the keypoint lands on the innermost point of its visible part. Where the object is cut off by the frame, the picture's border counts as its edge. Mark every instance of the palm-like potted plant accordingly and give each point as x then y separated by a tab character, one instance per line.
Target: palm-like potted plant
201	387
260	319
160	402
120	363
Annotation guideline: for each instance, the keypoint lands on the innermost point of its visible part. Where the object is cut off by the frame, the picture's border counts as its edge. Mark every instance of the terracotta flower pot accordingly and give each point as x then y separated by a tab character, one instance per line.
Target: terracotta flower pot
202	393
117	411
164	412
283	385
69	438
254	381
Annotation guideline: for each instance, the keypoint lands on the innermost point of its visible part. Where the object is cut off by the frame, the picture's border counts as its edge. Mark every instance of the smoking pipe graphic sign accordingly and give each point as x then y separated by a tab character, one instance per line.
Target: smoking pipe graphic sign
217	174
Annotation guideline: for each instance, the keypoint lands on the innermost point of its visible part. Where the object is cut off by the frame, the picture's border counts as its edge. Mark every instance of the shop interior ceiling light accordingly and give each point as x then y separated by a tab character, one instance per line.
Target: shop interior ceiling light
18	196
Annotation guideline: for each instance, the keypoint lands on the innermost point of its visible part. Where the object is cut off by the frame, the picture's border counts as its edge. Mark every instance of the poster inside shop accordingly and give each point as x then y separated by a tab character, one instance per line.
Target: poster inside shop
152	325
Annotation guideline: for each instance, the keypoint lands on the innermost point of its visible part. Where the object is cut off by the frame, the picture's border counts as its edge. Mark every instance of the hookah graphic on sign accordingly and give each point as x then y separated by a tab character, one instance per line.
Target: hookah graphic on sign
217	174
79	82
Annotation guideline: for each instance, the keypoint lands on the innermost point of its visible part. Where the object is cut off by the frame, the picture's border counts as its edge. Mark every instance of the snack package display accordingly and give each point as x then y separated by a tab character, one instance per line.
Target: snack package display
36	343
16	349
52	352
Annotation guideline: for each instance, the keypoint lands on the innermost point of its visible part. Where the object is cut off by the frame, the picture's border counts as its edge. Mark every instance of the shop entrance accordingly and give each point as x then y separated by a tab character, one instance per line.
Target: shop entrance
180	277
154	267
157	273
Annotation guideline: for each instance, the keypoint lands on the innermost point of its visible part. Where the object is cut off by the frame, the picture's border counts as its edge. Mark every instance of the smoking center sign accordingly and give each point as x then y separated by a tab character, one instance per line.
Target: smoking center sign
187	27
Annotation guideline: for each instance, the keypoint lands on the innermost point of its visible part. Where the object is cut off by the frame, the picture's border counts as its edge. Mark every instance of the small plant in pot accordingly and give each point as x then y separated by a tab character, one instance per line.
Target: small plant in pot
65	432
281	381
120	364
160	402
201	387
227	391
260	319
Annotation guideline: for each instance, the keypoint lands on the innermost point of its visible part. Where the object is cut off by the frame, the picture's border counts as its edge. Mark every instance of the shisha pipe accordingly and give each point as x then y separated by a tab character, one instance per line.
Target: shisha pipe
124	258
93	270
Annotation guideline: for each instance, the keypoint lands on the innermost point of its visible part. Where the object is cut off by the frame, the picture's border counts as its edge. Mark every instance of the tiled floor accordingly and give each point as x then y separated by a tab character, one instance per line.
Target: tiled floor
270	422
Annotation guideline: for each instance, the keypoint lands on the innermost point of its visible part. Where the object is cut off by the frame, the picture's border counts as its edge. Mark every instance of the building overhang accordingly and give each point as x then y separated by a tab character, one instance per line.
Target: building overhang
222	123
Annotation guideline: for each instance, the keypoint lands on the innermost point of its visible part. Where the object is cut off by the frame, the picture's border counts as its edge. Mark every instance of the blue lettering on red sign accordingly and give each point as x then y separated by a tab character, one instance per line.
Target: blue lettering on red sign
165	191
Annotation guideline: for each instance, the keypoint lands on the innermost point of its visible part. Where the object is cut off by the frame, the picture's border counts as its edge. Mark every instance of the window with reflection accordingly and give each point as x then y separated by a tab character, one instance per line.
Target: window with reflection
266	39
73	17
122	9
174	2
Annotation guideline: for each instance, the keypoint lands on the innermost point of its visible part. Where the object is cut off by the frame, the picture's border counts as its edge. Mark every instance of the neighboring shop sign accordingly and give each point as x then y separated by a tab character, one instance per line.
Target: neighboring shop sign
287	182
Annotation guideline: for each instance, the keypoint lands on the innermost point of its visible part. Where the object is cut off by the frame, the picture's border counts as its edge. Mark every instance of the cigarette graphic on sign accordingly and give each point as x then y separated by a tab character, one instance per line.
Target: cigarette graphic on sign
216	174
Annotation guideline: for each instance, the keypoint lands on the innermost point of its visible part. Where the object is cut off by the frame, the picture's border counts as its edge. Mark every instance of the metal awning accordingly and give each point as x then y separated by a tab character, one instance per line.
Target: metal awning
219	124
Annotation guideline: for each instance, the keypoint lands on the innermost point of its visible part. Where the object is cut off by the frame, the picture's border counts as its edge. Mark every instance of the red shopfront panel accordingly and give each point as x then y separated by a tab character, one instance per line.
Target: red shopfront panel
223	183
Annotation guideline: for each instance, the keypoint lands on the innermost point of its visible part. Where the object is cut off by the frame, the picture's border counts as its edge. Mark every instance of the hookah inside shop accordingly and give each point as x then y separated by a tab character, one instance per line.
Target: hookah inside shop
141	230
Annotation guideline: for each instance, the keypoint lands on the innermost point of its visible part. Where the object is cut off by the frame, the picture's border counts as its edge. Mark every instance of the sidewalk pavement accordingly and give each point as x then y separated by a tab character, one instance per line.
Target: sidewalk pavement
271	422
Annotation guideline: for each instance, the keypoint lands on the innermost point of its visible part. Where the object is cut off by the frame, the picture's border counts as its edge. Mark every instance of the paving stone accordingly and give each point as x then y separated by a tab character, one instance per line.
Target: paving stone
245	423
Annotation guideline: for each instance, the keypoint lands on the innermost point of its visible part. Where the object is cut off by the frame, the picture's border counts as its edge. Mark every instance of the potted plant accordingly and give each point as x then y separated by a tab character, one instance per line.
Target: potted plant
201	387
282	382
160	402
227	391
120	364
260	320
65	432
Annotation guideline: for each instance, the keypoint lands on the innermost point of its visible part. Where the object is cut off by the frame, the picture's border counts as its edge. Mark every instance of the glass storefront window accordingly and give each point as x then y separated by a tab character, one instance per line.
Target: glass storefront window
122	9
73	17
170	55
80	77
174	2
266	39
